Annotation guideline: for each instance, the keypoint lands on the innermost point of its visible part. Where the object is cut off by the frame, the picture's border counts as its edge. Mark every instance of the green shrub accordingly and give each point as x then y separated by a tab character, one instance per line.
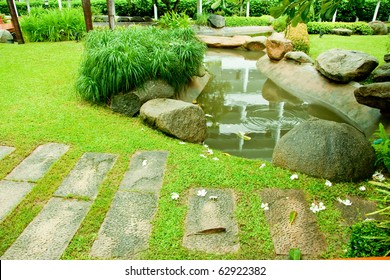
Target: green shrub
247	21
202	19
299	37
121	60
360	28
381	146
174	20
53	25
280	24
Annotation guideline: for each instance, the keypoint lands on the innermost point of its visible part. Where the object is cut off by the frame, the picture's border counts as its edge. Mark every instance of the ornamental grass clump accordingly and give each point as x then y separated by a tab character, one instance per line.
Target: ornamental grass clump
122	60
299	37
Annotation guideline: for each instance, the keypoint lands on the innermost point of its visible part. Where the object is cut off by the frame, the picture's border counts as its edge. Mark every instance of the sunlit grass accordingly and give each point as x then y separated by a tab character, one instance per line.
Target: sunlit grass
39	104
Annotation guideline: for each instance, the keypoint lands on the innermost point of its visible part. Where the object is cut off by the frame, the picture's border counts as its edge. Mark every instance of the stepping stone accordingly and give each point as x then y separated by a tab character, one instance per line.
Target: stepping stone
5	151
210	226
303	233
127	226
48	235
357	211
126	229
85	178
145	172
11	194
35	166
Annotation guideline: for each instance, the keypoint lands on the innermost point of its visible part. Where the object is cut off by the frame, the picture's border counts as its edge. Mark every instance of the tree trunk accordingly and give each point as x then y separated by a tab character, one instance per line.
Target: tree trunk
247	8
69	4
28	6
199	7
334	16
15	21
87	14
59	5
376	10
111	13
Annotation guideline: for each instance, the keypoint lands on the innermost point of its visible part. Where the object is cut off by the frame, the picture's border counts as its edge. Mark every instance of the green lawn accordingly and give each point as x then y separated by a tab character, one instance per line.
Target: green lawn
39	105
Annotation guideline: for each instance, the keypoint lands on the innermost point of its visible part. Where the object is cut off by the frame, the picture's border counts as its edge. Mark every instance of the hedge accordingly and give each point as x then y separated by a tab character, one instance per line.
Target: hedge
361	28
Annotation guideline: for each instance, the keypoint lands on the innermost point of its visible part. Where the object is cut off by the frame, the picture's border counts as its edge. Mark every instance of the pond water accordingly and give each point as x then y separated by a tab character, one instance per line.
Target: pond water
246	112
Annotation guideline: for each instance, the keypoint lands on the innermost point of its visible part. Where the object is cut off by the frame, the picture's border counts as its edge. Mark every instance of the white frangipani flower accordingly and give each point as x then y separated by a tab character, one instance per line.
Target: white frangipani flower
362	188
346	202
317	207
262	166
377	176
210	152
203	156
202	192
182	143
175	196
206	146
294	177
144	162
208	115
215	158
328	183
265	206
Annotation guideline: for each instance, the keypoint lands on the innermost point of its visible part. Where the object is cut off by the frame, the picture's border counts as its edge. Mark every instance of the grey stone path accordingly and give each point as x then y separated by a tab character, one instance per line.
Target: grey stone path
303	233
5	151
127	226
210	226
48	235
18	183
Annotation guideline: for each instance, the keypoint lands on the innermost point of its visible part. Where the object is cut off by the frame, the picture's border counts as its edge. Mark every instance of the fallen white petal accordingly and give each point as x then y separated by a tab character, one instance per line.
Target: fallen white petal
144	162
262	166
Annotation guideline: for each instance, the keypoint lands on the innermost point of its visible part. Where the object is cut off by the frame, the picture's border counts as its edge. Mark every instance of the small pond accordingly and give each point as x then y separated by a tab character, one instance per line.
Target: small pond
246	113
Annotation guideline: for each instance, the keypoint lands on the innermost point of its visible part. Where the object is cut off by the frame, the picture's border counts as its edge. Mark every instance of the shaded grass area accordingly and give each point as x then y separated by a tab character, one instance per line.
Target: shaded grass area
375	45
39	105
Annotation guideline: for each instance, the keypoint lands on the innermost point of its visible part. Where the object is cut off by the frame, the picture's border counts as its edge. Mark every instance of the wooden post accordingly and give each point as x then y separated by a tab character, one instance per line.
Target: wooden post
111	13
87	14
15	21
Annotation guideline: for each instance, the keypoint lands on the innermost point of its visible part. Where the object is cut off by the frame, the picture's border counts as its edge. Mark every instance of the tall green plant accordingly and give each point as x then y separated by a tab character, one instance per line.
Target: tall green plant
382	147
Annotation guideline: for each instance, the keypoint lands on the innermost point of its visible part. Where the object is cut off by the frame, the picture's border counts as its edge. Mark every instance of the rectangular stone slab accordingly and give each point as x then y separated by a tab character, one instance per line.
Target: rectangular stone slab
35	166
48	235
11	194
206	218
5	151
126	228
303	233
146	172
85	178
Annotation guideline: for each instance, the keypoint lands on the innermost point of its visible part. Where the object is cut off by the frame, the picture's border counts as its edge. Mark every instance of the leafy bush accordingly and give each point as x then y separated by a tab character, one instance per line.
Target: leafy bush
121	60
382	148
280	24
247	21
202	19
360	28
53	25
299	37
174	20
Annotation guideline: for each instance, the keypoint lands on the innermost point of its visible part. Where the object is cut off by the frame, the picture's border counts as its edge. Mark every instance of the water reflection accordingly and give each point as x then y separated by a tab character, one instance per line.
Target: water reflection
240	100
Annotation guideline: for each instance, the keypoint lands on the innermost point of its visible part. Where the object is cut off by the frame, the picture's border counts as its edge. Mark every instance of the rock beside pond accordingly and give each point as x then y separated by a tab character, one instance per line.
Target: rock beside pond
278	47
216	21
154	89
177	118
375	95
299	57
386	57
344	66
326	149
128	104
378	27
224	42
255	43
341	31
382	73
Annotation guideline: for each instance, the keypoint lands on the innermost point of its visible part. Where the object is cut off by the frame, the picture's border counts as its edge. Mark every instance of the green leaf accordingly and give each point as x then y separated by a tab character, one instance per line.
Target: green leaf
294	254
293	216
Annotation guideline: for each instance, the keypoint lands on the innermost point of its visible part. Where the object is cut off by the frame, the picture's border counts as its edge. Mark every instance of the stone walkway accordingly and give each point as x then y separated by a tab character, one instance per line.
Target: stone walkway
210	225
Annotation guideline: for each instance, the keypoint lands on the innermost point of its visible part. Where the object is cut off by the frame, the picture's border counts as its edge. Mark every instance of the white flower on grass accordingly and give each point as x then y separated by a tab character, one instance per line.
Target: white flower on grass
346	202
265	206
208	115
262	166
206	146
203	156
182	143
317	207
210	152
213	197
328	183
144	162
175	196
215	158
202	192
294	177
378	176
362	188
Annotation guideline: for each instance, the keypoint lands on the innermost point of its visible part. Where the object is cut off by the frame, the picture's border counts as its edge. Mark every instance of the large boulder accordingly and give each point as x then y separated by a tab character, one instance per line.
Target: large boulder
381	74
344	66
299	57
5	36
306	83
177	118
223	41
386	57
255	43
128	104
216	21
378	27
277	47
326	149
154	89
375	95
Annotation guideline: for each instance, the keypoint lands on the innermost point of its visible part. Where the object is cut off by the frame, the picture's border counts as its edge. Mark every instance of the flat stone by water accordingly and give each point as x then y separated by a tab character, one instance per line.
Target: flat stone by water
127	226
210	225
35	166
303	233
11	194
48	235
145	172
5	151
85	178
